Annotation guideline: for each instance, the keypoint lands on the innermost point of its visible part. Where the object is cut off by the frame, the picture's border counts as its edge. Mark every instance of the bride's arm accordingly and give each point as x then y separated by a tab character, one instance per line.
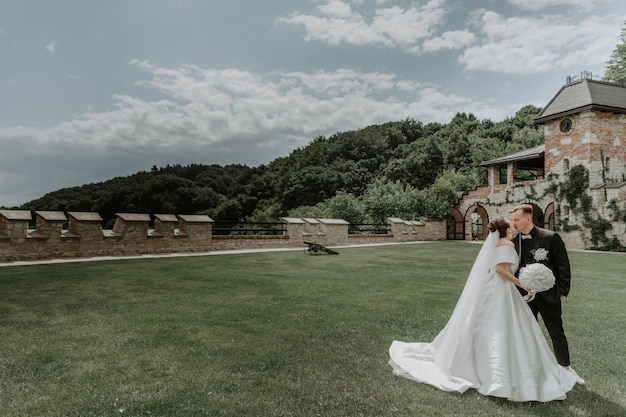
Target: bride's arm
501	268
503	271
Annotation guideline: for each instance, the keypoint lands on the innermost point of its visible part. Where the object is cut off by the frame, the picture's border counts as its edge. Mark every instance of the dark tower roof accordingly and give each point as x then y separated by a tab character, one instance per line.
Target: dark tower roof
582	95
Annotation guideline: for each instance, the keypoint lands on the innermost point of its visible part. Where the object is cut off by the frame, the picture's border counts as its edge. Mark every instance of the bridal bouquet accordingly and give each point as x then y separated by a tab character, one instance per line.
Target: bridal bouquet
536	277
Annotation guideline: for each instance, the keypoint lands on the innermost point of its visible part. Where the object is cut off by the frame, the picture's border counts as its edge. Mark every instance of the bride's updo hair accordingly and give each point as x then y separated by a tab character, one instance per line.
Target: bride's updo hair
500	224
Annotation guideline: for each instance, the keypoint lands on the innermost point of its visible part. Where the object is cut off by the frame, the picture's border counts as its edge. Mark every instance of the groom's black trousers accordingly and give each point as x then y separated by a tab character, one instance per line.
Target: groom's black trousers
551	315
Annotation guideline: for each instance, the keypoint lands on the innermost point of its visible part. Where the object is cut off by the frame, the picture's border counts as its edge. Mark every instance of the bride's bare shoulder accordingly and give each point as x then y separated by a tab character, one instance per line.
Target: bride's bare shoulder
505	242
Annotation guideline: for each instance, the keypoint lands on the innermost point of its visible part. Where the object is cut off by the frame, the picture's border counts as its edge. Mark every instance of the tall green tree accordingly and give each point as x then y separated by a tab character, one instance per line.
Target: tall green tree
385	199
616	65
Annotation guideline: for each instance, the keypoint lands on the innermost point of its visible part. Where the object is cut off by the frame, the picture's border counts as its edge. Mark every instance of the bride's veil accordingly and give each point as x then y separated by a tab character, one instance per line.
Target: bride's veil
451	344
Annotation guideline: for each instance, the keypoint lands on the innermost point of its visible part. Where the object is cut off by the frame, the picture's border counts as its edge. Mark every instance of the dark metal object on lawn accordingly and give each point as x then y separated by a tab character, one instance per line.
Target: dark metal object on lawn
316	247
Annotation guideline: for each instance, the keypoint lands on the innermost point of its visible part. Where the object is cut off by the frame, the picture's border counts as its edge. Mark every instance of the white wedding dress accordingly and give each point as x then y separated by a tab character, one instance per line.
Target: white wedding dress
492	341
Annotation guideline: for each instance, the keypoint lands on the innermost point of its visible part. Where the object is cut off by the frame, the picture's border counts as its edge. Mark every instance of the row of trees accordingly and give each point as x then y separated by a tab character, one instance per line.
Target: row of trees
398	169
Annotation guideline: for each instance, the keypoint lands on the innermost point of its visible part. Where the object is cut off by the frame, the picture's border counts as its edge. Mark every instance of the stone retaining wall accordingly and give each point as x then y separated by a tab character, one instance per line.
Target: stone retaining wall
79	234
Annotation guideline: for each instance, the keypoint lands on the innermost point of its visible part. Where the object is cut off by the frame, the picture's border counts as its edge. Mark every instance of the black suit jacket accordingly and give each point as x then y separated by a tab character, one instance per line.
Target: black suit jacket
557	259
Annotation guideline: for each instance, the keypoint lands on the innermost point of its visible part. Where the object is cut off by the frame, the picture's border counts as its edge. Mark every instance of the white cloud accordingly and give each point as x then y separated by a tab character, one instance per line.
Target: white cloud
394	26
596	39
537	5
336	8
449	40
407	27
526	45
333	31
239	102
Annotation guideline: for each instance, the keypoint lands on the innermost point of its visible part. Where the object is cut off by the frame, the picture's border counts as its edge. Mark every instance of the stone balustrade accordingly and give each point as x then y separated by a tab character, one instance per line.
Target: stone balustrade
55	234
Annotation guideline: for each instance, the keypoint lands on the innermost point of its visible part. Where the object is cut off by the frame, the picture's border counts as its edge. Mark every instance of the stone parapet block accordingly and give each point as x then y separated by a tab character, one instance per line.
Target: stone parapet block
132	225
84	225
49	225
14	223
164	225
335	231
312	228
295	227
198	230
401	228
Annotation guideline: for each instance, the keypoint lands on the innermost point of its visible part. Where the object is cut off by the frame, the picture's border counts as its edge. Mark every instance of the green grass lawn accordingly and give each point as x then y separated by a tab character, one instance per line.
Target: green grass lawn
273	334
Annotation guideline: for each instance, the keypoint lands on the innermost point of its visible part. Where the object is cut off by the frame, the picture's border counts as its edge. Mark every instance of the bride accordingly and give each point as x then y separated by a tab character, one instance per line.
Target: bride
492	341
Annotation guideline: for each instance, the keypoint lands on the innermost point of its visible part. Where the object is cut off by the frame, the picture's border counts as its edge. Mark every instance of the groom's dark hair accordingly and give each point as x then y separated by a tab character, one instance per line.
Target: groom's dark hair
526	209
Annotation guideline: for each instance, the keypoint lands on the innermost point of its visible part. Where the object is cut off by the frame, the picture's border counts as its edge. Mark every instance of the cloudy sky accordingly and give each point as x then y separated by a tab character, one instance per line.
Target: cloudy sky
91	89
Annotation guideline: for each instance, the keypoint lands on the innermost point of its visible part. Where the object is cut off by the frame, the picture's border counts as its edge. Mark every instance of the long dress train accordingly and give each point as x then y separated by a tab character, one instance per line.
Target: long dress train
491	343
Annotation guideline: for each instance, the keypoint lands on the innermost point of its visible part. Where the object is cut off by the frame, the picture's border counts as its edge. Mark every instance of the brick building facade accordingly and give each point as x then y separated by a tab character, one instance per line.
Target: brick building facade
584	126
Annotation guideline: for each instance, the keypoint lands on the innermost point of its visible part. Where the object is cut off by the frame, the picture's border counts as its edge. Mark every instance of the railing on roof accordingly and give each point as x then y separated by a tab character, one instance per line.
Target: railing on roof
588	75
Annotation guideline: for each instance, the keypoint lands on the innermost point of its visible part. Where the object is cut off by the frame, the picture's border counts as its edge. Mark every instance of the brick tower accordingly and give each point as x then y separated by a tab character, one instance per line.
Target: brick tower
585	124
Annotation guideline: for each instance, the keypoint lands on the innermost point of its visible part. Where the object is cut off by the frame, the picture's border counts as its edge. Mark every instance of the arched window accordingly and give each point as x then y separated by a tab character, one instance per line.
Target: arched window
548	217
456	226
607	164
565	165
477	219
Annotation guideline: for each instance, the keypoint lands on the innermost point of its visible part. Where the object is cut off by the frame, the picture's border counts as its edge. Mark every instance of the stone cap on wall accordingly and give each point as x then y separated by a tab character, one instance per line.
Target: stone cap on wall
295	220
196	218
166	218
133	217
16	214
311	220
52	216
85	216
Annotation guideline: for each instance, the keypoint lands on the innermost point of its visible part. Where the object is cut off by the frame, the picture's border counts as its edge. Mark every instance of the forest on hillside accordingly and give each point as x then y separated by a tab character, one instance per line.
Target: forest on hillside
404	169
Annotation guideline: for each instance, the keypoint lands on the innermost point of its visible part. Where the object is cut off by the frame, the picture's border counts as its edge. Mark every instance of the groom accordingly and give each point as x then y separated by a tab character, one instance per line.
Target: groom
535	244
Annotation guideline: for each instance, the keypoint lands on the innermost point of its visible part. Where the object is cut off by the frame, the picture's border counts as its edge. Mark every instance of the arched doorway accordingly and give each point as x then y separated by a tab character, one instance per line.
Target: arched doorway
476	220
549	222
455	225
538	217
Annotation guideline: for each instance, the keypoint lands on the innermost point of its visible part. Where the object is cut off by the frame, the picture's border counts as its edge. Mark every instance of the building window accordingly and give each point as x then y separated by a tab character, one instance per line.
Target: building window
565	165
503	172
607	164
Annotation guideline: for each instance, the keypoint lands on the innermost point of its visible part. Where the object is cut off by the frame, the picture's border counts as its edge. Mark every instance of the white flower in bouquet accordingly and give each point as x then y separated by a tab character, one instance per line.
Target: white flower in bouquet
536	277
